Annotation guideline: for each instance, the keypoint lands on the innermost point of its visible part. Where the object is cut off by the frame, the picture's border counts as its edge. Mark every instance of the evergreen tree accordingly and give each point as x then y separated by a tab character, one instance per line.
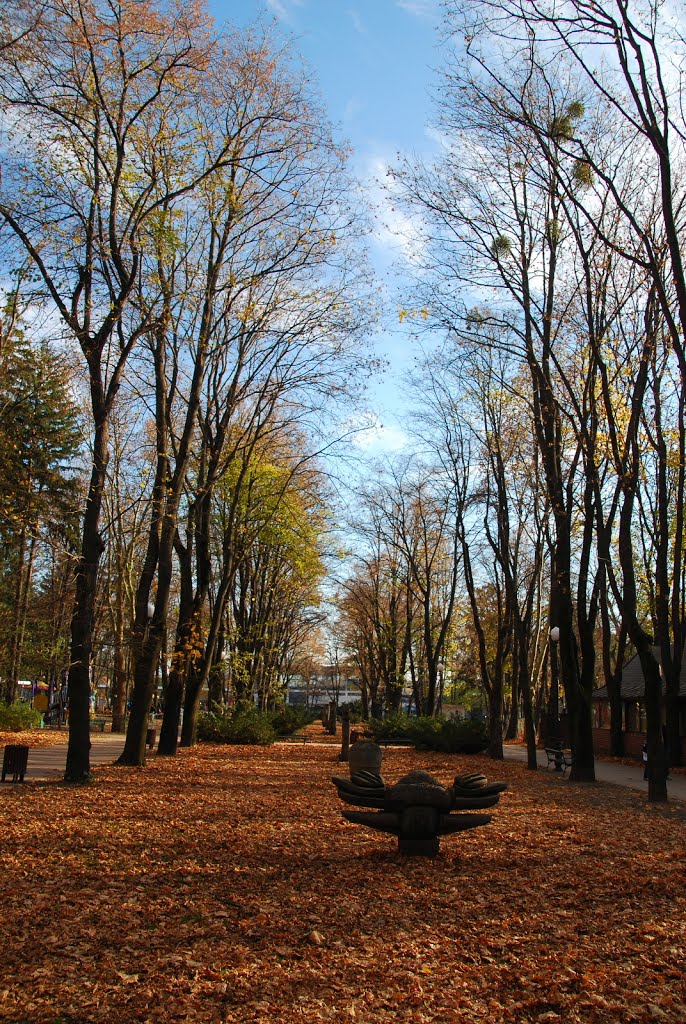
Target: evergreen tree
39	442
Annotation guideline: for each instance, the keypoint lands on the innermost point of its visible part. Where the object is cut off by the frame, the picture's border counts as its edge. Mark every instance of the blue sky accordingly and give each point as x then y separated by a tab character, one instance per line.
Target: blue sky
374	64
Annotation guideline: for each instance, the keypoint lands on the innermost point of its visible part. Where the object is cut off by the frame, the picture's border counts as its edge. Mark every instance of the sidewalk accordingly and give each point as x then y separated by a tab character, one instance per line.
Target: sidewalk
50	762
630	776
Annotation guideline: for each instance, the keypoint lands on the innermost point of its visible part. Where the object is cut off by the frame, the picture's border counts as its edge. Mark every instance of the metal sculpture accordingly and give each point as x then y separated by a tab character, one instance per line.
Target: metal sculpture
418	809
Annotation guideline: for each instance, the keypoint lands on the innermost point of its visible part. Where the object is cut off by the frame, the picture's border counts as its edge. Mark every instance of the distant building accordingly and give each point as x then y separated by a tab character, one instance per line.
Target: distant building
317	691
634	722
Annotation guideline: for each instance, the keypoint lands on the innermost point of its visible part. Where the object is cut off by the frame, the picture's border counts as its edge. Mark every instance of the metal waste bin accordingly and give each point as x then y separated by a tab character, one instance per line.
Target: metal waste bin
14	762
150	738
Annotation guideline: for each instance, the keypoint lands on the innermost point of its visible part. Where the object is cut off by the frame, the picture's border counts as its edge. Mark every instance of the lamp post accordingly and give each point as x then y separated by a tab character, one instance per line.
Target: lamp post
554	718
151	731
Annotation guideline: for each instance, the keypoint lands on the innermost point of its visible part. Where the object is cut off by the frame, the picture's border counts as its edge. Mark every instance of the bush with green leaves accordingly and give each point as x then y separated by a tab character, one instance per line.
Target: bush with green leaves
448	736
243	724
18	717
455	737
427	732
288	719
388	728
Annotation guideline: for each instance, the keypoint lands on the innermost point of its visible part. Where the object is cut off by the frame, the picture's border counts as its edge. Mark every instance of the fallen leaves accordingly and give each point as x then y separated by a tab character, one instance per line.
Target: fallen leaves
34	738
224	886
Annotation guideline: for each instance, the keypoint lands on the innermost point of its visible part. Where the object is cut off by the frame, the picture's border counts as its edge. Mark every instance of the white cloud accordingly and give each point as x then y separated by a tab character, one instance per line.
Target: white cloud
352	108
418	8
378	437
281	8
357	21
394	228
277	8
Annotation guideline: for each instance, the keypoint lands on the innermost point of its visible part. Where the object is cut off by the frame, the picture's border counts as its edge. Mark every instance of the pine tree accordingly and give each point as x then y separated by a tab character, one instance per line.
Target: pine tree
40	439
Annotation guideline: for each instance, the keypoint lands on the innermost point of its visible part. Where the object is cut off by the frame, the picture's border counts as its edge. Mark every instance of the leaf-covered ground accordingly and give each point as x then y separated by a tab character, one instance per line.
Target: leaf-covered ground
224	885
35	737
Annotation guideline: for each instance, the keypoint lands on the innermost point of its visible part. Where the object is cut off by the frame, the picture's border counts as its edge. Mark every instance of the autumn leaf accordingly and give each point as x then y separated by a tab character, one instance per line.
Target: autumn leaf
224	885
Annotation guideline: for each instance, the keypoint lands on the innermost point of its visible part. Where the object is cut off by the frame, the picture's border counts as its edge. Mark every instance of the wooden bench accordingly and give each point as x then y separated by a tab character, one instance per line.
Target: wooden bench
559	760
98	724
295	737
397	741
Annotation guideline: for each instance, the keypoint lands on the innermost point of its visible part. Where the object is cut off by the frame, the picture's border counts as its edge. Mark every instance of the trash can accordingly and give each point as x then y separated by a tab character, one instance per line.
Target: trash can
150	738
14	762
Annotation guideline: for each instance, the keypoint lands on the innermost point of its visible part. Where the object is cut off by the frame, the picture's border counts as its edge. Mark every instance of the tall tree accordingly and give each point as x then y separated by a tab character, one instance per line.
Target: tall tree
494	215
635	86
100	102
376	609
260	310
127	512
417	509
475	415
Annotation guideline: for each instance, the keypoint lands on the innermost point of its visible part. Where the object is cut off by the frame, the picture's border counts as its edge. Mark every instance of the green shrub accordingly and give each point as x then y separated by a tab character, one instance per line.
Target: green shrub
18	717
286	720
448	736
455	737
386	729
243	724
427	733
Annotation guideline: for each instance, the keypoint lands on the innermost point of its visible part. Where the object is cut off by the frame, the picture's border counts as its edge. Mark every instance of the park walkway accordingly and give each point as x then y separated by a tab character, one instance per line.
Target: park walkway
47	763
608	772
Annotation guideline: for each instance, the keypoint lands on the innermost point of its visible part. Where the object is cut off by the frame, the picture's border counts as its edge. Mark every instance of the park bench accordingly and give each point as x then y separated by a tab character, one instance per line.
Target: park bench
295	737
558	759
397	741
98	724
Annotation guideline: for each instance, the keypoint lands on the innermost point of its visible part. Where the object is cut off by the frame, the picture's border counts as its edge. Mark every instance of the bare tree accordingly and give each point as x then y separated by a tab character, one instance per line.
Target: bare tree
639	84
262	306
98	105
476	419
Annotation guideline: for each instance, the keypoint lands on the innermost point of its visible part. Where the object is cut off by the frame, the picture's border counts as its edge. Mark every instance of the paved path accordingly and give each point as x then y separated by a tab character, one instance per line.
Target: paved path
630	776
49	763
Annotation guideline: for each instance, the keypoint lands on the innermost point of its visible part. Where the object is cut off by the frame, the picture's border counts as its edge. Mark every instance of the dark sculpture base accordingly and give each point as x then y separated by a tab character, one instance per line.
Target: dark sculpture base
418	847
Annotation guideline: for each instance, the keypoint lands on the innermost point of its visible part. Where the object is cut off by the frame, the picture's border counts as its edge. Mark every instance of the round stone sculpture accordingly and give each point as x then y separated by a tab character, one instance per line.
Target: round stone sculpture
364	756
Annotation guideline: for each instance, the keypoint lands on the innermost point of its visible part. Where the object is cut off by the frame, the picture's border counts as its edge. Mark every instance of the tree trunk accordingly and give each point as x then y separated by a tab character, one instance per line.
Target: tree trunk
614	690
215	683
512	727
92	547
495	720
169	734
576	695
524	687
21	605
191	707
173	702
119	680
657	754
